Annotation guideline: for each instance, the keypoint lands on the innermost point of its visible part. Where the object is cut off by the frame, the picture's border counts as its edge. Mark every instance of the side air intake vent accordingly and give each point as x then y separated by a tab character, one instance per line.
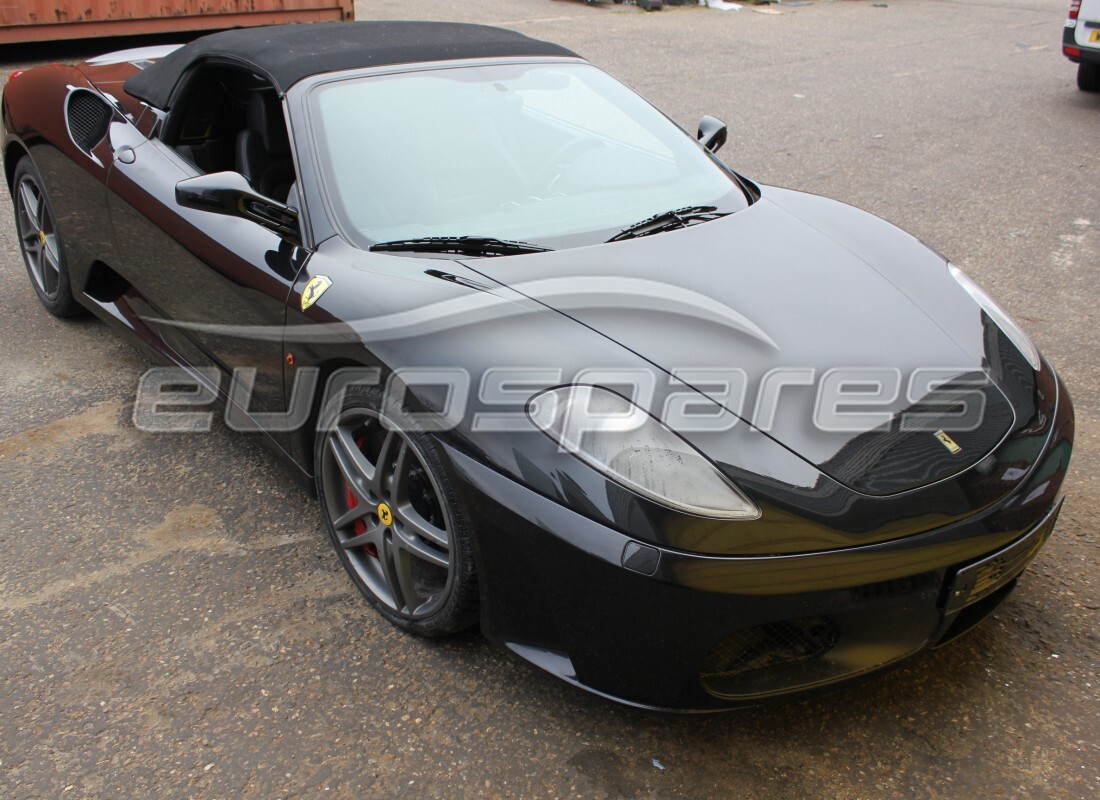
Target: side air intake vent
88	116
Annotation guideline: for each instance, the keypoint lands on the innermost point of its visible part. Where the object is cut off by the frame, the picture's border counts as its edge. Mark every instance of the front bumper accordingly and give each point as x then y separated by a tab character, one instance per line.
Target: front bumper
661	628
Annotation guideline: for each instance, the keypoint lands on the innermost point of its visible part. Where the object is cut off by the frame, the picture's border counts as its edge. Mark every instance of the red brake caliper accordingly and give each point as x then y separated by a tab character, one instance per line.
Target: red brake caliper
353	502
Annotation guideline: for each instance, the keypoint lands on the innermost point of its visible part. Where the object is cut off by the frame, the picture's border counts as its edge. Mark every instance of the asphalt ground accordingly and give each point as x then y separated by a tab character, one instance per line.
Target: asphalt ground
173	622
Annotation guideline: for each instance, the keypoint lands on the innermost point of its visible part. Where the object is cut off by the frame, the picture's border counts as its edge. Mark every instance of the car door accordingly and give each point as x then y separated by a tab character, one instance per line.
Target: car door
212	287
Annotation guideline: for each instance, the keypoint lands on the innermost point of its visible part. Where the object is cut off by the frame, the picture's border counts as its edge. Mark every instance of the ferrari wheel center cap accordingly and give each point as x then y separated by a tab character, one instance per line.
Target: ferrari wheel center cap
42	236
385	515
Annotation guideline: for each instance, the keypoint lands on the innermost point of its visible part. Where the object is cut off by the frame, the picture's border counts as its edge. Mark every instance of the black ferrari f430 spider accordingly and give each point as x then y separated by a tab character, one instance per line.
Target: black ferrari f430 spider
682	439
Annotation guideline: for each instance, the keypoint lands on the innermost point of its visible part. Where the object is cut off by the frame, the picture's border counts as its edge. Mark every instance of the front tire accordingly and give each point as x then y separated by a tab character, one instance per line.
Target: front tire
40	242
394	517
1088	76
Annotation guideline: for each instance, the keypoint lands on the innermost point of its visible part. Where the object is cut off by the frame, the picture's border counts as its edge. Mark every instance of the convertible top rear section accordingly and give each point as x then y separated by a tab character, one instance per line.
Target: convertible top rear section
287	54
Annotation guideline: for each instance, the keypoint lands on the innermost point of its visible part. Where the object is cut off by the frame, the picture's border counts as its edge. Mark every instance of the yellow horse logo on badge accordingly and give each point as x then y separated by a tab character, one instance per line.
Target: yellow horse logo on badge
314	289
951	445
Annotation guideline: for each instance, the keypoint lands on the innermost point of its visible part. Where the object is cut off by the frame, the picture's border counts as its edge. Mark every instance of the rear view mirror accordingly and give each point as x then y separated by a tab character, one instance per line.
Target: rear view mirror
231	194
712	133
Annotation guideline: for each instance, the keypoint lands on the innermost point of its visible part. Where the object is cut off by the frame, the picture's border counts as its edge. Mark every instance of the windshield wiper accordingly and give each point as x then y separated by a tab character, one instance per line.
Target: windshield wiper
669	220
459	245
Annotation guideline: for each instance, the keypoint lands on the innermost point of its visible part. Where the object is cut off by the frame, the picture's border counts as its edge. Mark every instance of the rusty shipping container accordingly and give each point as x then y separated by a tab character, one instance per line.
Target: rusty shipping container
40	20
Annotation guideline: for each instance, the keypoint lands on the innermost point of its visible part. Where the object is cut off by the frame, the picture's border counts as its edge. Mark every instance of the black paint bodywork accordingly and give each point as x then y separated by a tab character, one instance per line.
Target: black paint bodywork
600	586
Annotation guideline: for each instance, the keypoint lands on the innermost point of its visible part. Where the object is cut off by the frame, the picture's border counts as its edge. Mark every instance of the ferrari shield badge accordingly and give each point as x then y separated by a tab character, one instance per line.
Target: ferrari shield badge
314	289
948	442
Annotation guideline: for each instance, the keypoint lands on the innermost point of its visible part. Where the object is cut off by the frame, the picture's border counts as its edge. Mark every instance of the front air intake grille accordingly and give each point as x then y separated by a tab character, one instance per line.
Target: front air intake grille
88	117
768	646
898	587
795	654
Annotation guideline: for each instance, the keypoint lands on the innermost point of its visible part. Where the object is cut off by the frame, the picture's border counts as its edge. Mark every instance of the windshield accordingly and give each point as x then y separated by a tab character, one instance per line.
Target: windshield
548	153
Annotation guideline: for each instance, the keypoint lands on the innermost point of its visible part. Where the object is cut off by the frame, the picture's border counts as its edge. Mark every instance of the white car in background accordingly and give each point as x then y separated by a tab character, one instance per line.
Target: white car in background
1081	42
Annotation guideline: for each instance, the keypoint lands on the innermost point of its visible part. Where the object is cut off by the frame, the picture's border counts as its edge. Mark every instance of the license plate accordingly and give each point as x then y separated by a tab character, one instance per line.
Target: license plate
1094	36
983	578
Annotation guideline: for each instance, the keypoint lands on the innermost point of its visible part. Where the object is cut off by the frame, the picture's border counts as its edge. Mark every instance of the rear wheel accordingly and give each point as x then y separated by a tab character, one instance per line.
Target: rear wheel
393	516
40	242
1088	77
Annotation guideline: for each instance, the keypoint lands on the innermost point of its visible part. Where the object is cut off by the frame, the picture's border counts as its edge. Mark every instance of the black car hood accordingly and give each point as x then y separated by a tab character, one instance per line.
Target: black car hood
792	283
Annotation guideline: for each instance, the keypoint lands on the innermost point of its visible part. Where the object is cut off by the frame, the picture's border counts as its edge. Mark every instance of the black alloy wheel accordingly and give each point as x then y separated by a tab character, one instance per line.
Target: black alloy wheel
393	517
40	242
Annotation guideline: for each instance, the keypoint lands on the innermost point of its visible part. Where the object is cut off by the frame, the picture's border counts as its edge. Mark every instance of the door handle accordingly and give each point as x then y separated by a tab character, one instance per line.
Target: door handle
125	155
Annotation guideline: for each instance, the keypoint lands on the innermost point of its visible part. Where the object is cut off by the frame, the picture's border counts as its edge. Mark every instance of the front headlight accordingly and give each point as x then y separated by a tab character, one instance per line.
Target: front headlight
1010	329
619	439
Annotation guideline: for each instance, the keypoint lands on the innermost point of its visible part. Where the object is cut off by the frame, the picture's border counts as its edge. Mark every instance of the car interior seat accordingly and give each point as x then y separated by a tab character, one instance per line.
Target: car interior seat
263	147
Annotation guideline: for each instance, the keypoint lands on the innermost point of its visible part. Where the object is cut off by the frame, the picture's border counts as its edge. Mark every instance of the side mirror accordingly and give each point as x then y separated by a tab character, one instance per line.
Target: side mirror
712	133
231	194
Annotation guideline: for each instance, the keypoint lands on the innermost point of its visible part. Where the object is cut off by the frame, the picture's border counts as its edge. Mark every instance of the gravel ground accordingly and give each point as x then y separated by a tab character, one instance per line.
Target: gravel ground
174	624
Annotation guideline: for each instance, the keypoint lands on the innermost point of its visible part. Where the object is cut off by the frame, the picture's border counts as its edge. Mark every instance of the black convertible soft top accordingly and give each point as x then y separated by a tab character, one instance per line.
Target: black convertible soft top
288	53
